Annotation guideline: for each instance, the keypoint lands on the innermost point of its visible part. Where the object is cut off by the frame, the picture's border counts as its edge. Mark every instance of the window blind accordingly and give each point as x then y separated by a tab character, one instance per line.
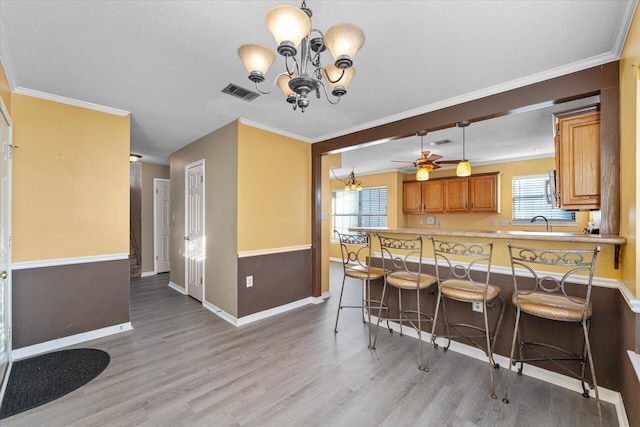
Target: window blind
530	198
366	208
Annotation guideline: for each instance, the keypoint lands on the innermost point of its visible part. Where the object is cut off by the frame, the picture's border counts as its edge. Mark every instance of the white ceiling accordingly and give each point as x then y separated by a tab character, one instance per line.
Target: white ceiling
166	62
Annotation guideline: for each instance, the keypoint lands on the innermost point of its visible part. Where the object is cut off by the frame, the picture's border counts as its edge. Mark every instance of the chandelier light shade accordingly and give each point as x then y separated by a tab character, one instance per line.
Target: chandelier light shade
464	168
344	41
288	25
256	58
422	174
302	46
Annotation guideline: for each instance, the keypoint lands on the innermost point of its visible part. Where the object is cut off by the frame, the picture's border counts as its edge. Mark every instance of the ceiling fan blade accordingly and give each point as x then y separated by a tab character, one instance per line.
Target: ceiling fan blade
449	162
434	157
401	161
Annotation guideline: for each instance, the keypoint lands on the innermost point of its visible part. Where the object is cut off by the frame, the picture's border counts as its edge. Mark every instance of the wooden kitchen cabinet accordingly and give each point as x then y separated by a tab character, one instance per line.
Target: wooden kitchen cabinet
456	191
484	193
578	161
422	197
476	193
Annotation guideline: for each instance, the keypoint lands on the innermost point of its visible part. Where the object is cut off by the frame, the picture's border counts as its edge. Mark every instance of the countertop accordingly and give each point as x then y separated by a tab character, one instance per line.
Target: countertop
553	236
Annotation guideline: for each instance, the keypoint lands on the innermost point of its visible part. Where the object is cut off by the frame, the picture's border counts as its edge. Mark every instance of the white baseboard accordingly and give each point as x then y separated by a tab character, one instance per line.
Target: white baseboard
177	288
147	273
262	314
606	395
59	343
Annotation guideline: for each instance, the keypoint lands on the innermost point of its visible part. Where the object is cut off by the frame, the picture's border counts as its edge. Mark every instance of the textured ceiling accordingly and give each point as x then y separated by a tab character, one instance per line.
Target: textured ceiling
166	62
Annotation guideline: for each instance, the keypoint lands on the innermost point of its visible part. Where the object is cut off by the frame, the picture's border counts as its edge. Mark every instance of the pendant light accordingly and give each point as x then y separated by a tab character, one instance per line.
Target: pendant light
464	168
423	171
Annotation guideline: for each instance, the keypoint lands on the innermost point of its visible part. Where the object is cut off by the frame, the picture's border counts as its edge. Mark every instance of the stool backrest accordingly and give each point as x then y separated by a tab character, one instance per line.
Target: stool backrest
401	254
466	261
549	270
355	249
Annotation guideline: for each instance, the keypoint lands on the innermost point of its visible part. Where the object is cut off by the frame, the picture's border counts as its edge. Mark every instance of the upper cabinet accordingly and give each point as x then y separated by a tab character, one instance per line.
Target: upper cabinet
476	193
578	161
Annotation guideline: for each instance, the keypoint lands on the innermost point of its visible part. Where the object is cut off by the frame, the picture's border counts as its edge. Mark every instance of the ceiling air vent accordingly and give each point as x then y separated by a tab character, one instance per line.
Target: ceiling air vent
240	92
441	142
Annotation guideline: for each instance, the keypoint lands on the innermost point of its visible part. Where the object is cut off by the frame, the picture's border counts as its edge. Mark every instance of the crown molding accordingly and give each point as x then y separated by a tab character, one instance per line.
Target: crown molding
274	130
70	101
623	31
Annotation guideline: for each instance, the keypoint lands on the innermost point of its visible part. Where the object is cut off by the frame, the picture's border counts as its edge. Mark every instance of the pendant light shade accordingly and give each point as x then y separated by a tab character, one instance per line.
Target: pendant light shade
464	168
422	174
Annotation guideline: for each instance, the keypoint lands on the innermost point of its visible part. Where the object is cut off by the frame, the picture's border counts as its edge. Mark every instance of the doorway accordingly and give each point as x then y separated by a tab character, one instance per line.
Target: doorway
194	230
161	224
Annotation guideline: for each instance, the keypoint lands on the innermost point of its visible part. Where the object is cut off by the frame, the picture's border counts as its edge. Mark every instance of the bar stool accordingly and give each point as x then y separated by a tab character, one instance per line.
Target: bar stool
463	270
546	295
402	259
356	256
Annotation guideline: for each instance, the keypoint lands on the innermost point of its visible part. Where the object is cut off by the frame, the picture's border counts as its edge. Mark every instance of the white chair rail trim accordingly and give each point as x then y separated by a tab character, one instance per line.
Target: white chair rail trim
54	262
246	254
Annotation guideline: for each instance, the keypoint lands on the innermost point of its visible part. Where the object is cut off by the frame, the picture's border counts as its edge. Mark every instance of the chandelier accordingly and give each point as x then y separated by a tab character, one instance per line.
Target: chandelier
301	47
350	182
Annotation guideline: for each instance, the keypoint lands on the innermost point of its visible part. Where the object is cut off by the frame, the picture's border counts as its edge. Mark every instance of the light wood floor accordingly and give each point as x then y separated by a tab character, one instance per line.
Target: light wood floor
184	366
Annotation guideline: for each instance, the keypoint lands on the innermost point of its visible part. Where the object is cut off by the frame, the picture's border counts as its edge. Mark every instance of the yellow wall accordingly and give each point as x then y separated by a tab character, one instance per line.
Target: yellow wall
629	135
5	90
149	172
70	181
274	190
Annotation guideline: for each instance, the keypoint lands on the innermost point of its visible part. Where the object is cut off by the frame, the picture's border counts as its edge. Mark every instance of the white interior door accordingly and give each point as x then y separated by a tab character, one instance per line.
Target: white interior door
5	242
161	224
195	237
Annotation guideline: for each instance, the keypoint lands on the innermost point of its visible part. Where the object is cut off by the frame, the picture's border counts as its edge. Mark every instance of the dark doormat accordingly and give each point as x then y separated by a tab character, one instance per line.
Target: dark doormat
41	379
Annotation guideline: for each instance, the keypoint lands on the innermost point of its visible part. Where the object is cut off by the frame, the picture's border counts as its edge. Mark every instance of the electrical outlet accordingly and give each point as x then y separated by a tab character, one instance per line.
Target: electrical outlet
420	221
476	306
431	219
504	222
249	281
494	222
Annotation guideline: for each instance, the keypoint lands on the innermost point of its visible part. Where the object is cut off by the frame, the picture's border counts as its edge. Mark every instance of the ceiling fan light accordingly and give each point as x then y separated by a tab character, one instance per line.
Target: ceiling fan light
422	174
344	41
256	58
288	25
463	169
347	187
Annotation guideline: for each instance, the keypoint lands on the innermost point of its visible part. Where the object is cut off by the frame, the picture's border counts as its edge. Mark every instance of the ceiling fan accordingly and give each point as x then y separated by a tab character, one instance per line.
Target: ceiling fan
428	160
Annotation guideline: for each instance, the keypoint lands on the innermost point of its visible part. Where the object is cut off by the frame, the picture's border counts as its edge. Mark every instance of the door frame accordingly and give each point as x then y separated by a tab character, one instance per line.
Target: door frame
4	376
155	220
186	223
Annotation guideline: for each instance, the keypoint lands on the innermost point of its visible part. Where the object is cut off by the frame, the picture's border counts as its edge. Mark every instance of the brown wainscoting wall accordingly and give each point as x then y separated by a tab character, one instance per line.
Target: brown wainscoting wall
57	302
629	384
278	279
606	325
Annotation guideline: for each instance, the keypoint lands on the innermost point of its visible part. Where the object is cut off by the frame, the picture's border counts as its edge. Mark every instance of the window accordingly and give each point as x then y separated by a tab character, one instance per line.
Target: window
366	208
530	198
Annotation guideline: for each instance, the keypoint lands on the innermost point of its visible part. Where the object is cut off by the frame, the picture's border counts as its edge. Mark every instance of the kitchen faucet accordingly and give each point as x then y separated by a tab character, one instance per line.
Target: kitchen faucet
545	220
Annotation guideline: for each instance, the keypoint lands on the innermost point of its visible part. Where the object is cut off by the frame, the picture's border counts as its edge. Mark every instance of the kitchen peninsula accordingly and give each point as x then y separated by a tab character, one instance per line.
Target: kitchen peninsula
540	236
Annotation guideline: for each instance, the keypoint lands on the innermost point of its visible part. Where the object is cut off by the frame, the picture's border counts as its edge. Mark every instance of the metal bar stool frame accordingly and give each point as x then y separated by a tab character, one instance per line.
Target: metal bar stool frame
354	248
549	299
402	262
463	271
